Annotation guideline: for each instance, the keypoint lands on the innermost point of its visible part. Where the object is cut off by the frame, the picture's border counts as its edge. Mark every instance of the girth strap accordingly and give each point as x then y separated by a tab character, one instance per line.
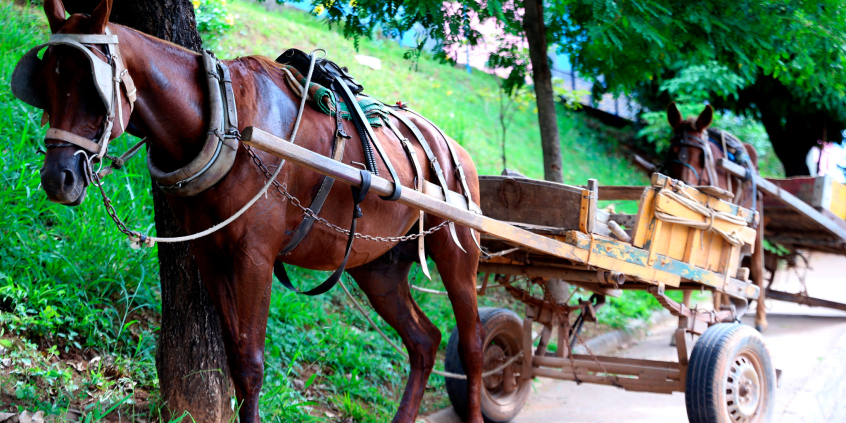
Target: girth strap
358	196
322	193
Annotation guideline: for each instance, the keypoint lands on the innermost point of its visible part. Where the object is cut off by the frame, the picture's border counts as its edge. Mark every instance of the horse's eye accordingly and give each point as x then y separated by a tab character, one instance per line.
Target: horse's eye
702	160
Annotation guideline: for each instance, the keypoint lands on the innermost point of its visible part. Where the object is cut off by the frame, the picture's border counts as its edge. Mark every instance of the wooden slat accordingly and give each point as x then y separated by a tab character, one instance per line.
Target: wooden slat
620	193
540	203
791	201
663	181
674	208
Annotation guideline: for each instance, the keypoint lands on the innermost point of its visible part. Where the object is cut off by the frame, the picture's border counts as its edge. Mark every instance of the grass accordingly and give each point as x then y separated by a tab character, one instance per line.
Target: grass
79	310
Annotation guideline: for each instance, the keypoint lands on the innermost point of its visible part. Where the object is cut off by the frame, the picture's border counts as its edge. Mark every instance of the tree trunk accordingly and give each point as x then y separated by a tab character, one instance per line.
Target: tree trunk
542	78
793	125
190	358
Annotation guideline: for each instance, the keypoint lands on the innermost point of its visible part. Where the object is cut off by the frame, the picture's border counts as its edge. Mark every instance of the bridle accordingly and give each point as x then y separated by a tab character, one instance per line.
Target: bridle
685	141
109	76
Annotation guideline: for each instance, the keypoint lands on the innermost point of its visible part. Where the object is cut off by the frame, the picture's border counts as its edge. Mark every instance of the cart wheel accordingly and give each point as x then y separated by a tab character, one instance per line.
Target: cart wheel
730	377
502	395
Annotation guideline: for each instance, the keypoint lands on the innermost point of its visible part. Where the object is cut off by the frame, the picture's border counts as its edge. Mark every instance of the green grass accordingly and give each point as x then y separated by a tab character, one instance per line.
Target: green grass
71	290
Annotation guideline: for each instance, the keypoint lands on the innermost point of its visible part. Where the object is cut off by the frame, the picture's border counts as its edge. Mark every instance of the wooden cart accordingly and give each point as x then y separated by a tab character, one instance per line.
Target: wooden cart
801	214
548	232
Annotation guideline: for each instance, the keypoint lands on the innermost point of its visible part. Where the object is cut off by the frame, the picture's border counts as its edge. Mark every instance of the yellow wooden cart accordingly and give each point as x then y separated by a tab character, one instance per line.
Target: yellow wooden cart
544	233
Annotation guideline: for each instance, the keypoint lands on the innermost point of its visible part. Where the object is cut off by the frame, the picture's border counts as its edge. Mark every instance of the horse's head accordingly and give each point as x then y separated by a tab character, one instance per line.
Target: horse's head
687	159
74	84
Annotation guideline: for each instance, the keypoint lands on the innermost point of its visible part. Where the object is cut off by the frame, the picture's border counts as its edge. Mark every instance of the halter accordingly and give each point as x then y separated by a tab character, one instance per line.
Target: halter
108	77
686	140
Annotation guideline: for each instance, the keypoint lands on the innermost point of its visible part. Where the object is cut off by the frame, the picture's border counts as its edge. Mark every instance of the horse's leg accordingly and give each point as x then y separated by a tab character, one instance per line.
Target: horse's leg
240	288
458	272
756	270
385	282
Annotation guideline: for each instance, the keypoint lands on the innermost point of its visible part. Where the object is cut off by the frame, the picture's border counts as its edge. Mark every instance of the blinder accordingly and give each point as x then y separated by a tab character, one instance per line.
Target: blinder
25	84
107	76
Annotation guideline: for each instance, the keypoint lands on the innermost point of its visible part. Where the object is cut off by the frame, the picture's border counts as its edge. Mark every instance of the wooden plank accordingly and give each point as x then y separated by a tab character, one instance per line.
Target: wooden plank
540	203
644	217
620	193
347	174
791	201
804	300
663	181
674	208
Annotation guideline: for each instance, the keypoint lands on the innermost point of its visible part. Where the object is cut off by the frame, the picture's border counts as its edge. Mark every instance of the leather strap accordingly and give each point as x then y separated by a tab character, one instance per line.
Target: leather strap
319	199
82	142
355	110
433	160
458	167
418	172
229	96
84	38
218	154
358	196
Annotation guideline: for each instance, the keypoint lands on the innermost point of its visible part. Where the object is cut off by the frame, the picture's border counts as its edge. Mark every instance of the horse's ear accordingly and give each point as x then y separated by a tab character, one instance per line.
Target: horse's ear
705	118
100	16
674	116
55	11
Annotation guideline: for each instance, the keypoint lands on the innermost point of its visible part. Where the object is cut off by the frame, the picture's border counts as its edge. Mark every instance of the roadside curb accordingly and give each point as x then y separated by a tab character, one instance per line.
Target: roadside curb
821	397
602	344
612	341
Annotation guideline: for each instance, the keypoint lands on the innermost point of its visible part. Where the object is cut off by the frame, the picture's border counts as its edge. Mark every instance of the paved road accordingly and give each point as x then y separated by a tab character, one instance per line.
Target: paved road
807	344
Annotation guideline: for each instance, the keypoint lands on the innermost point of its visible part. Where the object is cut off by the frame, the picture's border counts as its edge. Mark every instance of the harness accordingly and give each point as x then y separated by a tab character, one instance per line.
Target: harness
729	146
218	154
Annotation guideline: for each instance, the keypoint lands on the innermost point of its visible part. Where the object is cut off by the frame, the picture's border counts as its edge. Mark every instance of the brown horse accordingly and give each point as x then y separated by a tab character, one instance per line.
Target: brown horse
236	262
688	161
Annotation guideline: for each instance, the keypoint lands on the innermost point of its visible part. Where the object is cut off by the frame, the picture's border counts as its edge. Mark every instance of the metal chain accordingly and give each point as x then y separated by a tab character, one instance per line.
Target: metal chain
107	202
283	190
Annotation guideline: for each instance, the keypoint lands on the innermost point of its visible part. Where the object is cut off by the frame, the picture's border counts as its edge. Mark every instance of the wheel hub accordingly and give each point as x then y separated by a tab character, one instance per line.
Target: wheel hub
494	357
743	390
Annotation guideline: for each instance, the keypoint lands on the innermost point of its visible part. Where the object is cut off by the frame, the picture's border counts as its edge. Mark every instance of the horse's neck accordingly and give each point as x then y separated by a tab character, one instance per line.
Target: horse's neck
171	107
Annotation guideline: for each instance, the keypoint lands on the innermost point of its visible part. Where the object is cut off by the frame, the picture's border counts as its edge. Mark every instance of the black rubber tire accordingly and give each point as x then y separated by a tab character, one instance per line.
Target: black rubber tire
722	353
506	326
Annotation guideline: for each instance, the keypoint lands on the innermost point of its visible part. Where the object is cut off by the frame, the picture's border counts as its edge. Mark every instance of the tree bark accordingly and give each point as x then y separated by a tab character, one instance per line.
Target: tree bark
793	125
542	77
190	358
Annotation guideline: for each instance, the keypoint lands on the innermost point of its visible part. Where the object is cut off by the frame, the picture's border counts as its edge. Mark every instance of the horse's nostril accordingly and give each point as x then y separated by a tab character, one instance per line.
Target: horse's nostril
68	180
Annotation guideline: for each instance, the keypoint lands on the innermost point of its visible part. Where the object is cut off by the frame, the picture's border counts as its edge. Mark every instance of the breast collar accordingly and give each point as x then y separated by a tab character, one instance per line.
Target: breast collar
217	156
